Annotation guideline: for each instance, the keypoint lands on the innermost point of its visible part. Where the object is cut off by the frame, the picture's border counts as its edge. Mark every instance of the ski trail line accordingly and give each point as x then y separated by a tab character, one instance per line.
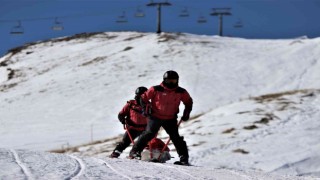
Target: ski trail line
80	168
236	173
183	172
176	168
141	162
24	169
114	170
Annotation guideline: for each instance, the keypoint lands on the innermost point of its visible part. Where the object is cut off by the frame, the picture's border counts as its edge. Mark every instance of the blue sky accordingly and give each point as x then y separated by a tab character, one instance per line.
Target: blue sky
262	19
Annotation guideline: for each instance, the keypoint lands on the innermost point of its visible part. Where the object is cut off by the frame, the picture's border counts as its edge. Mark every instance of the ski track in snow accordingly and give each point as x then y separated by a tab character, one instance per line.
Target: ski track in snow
24	169
114	170
80	168
178	169
140	162
241	175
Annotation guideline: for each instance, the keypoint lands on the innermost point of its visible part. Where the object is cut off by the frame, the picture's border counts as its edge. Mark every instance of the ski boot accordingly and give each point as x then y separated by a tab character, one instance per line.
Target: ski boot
115	154
135	155
183	161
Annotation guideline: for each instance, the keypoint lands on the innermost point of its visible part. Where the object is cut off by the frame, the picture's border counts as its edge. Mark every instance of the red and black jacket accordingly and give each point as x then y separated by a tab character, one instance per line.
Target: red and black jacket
132	112
165	102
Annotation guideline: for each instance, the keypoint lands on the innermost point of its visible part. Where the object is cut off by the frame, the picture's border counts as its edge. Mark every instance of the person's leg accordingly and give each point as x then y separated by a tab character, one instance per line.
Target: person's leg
121	146
150	132
171	128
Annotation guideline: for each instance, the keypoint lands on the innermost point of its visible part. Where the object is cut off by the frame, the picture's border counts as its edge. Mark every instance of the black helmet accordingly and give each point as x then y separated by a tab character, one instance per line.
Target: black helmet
170	75
141	90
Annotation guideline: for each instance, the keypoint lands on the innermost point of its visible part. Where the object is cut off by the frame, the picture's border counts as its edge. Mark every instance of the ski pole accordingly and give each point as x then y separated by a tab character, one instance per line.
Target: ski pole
125	127
168	141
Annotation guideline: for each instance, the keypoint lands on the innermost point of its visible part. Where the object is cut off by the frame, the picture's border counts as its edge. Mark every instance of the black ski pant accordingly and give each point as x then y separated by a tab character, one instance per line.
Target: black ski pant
126	139
171	127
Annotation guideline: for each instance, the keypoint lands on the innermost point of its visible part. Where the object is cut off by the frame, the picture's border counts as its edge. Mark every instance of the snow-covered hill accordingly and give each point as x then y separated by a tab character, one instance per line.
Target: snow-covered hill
275	133
68	91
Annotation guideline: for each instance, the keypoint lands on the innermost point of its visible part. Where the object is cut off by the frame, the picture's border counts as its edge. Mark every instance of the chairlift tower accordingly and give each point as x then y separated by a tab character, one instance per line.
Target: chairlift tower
159	5
221	12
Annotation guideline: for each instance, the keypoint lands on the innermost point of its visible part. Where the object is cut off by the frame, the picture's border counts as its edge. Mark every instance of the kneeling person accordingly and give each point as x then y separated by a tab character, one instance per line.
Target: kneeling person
131	116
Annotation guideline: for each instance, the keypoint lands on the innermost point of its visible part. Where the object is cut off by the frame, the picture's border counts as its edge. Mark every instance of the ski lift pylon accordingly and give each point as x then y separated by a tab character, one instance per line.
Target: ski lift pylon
18	29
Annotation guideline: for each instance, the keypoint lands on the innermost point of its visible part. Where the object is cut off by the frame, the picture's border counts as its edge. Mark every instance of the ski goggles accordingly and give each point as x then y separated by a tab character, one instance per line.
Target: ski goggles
171	81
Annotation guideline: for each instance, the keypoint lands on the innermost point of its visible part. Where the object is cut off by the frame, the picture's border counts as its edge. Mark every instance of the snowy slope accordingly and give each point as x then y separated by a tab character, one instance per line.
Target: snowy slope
62	89
21	164
68	91
275	133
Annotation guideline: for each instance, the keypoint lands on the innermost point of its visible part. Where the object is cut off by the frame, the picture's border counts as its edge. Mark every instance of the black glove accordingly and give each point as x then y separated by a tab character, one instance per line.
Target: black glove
146	111
185	117
122	119
186	113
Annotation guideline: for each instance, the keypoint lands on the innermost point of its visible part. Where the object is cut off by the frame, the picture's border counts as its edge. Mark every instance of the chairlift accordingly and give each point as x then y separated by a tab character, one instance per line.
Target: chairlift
139	13
18	29
184	13
122	18
202	20
57	26
238	24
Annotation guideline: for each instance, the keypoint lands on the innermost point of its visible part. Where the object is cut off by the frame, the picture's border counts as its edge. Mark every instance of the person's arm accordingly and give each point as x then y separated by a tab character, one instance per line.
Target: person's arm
188	103
145	101
124	113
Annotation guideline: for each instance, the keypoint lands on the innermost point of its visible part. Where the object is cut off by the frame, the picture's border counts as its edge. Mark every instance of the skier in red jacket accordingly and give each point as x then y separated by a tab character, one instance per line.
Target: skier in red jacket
162	111
131	116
